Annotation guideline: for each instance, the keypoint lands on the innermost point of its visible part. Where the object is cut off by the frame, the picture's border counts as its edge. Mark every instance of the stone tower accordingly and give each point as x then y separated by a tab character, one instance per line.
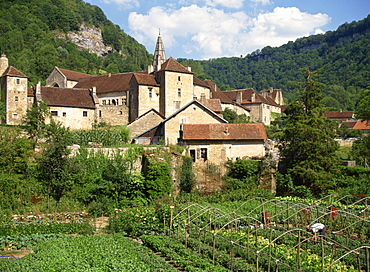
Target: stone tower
159	58
13	85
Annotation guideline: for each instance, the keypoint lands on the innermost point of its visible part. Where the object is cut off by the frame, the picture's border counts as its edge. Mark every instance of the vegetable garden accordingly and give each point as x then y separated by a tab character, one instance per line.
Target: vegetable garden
256	235
271	235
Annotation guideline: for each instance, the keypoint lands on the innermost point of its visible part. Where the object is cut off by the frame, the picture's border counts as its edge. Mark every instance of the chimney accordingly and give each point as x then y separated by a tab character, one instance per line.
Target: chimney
239	97
3	63
253	97
271	90
203	98
109	75
189	68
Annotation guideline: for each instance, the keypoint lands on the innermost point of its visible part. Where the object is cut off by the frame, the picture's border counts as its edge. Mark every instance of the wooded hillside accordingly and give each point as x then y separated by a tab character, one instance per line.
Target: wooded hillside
343	55
28	30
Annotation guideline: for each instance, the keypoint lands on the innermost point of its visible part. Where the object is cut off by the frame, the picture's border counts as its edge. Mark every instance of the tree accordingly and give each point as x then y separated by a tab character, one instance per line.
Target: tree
232	117
307	145
34	121
57	171
363	108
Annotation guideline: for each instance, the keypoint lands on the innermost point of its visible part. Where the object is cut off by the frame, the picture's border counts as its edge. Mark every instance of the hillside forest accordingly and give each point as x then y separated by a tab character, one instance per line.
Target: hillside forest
28	36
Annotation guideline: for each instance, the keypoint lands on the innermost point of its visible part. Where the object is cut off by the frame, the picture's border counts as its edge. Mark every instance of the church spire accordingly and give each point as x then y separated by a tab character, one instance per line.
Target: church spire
159	54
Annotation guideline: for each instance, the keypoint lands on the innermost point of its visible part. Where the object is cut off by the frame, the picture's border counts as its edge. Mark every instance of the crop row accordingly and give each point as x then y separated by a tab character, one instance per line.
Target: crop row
89	253
179	254
259	251
25	241
56	228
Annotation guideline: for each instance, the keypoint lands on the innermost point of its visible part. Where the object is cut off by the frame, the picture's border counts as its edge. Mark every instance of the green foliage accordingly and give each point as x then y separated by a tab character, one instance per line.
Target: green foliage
109	181
137	221
241	169
89	253
158	179
234	118
106	136
187	177
16	191
55	169
307	145
34	121
15	150
363	107
361	151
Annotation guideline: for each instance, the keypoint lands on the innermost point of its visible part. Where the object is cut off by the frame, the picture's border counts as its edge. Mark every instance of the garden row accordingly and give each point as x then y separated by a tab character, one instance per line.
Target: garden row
89	253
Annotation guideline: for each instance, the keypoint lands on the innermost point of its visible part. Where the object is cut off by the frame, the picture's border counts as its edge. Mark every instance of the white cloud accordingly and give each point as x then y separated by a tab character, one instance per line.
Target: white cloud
123	3
226	3
214	33
262	2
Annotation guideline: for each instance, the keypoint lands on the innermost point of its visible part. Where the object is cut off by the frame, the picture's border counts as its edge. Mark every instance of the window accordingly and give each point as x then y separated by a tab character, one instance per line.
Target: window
184	120
176	105
179	78
18	81
84	113
100	113
179	92
16	99
203	153
15	116
192	154
104	102
54	113
150	92
64	114
124	101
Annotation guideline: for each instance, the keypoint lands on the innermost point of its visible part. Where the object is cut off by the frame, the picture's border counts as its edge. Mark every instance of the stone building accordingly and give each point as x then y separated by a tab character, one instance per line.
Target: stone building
125	98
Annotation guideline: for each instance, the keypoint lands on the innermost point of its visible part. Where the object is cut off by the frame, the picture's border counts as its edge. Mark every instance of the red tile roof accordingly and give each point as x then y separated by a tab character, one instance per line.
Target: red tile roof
255	131
11	71
214	105
72	75
172	65
68	97
145	79
362	124
247	97
339	114
106	83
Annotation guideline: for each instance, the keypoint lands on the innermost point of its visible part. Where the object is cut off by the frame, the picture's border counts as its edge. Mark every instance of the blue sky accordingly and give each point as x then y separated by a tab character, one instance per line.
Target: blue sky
203	29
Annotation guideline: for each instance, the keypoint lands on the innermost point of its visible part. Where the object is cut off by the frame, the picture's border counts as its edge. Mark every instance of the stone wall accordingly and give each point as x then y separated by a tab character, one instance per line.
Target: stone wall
113	114
74	118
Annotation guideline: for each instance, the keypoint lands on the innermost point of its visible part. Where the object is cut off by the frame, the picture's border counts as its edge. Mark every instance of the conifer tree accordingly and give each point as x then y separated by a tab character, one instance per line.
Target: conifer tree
307	146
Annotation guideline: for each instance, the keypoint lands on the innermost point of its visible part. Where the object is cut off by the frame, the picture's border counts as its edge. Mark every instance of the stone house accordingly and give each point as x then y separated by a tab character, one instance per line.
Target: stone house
213	143
71	107
168	131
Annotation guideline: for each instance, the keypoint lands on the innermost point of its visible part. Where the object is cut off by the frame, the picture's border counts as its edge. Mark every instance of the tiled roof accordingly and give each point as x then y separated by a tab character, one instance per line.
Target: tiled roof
30	92
145	79
213	104
339	114
362	124
255	131
11	71
272	93
68	97
172	65
145	113
72	75
106	83
247	97
197	81
218	94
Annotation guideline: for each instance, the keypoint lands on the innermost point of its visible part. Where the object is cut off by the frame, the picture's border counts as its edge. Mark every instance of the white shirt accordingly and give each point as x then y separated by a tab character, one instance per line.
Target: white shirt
317	227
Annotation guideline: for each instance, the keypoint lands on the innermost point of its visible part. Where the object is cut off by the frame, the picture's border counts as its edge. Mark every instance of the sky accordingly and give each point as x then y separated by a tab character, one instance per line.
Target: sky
205	29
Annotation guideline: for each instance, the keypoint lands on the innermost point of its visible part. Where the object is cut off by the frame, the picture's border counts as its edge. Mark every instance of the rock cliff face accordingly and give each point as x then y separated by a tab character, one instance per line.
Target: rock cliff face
89	38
